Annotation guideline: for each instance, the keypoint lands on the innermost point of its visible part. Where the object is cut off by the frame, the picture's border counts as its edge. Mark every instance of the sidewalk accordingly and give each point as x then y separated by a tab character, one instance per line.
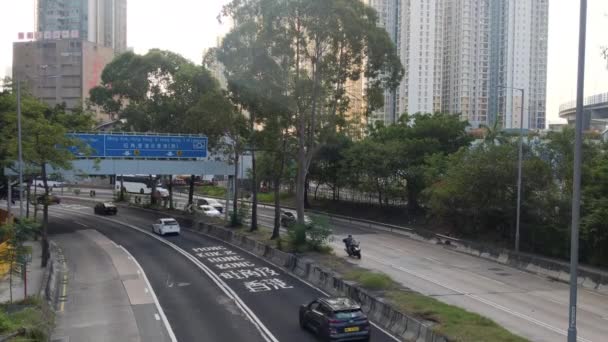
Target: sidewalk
35	273
106	296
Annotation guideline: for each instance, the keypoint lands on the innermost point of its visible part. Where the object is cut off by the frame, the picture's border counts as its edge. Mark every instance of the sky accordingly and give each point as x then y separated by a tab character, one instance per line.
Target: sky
190	26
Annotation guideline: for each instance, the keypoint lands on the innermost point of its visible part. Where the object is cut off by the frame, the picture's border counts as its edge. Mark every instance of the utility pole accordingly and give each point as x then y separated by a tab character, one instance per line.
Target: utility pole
576	182
20	148
519	163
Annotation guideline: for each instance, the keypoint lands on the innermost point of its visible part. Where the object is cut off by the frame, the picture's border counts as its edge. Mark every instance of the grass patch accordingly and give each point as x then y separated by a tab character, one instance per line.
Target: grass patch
268	197
451	321
371	280
211	190
28	314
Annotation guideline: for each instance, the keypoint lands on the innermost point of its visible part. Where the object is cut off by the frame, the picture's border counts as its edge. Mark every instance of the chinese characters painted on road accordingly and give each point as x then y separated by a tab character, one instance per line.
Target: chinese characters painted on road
234	267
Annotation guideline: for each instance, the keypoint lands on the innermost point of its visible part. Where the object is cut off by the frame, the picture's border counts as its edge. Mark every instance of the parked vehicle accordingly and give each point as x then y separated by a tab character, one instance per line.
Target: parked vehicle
212	202
210	211
335	319
289	218
106	208
38	182
165	226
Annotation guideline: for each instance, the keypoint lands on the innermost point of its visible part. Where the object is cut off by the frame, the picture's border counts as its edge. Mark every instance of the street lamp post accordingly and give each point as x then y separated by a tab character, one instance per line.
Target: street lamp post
576	182
20	152
519	164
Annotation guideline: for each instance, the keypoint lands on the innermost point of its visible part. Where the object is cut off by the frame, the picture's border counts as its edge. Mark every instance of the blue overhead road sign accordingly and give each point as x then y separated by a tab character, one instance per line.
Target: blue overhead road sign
142	146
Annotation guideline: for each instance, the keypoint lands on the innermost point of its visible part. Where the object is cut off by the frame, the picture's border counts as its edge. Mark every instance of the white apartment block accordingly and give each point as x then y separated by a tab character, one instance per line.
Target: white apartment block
421	47
389	18
464	56
520	38
466	60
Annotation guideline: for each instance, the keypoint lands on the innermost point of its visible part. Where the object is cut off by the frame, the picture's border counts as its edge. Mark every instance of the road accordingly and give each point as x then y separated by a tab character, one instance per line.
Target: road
209	290
529	305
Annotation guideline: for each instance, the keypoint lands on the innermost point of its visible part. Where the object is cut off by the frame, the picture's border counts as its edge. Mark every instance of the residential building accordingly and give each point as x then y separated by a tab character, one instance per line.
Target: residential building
389	17
60	71
102	22
466	60
421	51
466	56
355	117
519	36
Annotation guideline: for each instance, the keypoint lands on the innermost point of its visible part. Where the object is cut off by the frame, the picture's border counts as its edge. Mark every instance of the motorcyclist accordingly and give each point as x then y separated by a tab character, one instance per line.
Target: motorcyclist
348	242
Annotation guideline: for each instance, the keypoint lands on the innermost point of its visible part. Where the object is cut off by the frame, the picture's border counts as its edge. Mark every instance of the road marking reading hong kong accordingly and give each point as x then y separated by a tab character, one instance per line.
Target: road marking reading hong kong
236	267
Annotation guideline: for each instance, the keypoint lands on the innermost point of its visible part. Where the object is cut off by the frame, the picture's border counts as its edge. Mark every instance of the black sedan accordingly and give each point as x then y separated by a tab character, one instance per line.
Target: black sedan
51	199
106	208
335	319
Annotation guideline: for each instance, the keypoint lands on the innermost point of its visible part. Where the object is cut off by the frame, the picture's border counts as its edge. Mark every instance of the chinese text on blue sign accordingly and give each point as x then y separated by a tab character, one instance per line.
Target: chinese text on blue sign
143	146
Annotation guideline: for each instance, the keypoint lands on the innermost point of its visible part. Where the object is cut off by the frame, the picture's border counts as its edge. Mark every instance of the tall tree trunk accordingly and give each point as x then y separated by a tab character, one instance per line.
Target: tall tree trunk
306	189
300	179
191	191
254	193
171	192
153	192
412	201
235	184
277	208
27	199
277	193
122	188
45	219
301	131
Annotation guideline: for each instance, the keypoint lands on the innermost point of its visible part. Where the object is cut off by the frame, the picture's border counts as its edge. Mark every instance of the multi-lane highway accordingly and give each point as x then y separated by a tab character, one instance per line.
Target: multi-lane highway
209	290
529	305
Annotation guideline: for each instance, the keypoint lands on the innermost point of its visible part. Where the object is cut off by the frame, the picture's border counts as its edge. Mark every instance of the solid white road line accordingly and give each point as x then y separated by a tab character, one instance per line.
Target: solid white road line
156	302
266	334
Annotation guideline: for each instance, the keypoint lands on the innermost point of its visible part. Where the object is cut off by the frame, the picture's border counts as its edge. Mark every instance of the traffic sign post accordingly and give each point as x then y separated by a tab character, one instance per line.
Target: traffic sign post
140	146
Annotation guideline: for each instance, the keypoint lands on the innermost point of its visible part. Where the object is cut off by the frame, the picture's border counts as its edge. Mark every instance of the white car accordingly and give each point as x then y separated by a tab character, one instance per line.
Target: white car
212	202
166	226
164	193
210	211
52	184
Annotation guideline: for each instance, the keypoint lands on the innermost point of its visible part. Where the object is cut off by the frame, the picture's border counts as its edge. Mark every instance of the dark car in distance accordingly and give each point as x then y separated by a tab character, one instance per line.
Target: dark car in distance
289	218
52	199
335	319
105	208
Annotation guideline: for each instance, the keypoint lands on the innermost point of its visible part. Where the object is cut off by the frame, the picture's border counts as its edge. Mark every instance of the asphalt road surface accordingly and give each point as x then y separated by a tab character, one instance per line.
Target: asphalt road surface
209	290
529	305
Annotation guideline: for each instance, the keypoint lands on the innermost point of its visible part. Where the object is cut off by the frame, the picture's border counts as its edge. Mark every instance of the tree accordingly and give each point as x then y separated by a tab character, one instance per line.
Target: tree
477	192
45	134
17	234
494	134
155	92
326	166
393	158
320	44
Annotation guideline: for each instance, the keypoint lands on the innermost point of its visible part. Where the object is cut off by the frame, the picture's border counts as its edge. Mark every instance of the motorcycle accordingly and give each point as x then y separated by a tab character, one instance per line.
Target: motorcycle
353	250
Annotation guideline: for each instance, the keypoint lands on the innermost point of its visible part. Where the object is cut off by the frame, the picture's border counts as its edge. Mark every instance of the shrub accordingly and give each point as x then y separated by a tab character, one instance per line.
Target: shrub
297	235
318	232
